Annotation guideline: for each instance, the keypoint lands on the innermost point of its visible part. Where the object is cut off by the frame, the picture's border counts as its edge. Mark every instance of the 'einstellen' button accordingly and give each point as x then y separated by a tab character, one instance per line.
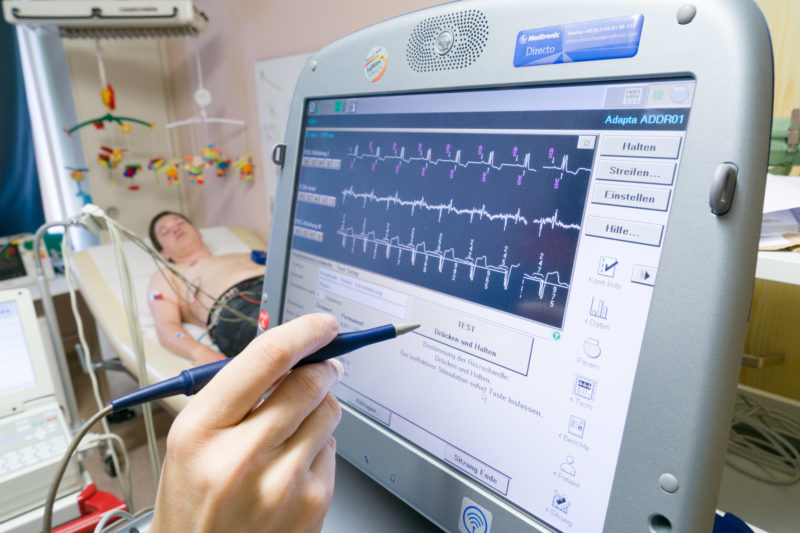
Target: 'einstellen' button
636	197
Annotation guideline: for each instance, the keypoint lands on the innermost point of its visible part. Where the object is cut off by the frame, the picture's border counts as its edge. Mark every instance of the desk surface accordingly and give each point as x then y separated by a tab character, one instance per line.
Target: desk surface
773	508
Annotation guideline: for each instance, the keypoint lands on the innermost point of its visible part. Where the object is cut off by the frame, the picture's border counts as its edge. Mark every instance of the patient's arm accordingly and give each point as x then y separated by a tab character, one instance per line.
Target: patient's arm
169	324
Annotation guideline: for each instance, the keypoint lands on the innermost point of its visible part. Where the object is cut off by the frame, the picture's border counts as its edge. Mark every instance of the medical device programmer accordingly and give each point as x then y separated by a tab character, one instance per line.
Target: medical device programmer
545	188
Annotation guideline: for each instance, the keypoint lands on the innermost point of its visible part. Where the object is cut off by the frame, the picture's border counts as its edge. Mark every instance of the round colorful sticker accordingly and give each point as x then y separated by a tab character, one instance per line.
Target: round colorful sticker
375	64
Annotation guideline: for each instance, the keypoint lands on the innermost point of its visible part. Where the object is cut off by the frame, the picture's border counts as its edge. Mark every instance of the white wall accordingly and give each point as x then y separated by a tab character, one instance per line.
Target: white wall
240	33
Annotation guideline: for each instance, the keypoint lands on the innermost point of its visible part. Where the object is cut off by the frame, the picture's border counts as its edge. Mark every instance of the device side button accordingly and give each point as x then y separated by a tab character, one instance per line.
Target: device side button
279	154
723	185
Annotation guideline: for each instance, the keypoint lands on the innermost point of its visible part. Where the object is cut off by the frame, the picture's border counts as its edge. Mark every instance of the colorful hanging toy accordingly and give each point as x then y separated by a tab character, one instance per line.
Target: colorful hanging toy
245	167
107	95
130	172
78	177
170	170
212	157
194	166
110	157
222	167
155	164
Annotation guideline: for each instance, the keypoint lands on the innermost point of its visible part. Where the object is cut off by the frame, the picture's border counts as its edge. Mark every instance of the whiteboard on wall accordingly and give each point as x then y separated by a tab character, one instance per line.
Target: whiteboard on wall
275	81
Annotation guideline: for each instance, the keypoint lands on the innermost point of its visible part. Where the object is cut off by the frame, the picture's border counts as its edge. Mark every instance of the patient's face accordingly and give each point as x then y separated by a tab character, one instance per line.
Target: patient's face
177	236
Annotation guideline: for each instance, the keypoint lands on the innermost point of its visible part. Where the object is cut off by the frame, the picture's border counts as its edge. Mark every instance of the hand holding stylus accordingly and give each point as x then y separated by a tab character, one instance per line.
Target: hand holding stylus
231	461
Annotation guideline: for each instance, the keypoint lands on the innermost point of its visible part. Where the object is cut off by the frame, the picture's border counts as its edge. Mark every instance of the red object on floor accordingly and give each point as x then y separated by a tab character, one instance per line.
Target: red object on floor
93	504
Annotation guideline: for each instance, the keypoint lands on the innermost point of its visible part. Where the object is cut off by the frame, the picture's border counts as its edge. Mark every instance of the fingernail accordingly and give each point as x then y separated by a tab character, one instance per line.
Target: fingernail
337	365
332	323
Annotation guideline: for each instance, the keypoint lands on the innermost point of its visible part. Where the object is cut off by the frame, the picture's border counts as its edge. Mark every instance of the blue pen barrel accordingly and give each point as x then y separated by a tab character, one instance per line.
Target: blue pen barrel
192	380
187	382
347	342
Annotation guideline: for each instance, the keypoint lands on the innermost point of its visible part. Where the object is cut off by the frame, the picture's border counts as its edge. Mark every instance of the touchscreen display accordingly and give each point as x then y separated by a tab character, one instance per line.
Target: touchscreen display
14	357
522	228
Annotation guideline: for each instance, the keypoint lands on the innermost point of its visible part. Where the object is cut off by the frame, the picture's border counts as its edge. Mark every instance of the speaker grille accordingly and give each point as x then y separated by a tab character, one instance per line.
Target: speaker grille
466	30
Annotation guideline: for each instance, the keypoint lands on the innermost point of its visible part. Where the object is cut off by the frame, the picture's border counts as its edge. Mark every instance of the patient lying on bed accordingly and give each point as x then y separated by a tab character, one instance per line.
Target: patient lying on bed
221	293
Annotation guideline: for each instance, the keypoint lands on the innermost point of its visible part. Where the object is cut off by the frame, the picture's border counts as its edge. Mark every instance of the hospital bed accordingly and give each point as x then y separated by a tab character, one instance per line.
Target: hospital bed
97	276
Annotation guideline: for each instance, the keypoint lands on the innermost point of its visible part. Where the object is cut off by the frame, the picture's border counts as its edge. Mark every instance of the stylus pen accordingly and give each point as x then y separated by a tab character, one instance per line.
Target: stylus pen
192	380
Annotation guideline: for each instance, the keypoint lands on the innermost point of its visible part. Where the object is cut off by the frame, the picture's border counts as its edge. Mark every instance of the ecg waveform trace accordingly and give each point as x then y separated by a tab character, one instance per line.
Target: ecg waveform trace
493	219
456	161
439	256
450	209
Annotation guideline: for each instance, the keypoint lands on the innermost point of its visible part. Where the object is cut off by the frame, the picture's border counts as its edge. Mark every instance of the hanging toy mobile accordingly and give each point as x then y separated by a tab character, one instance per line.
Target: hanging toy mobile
108	98
209	156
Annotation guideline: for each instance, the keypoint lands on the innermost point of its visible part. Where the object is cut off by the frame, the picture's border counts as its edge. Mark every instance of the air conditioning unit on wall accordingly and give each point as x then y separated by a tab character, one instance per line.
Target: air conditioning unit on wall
109	18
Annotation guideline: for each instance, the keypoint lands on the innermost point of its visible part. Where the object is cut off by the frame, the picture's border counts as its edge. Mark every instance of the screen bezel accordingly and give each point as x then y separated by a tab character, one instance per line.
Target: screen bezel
692	363
432	459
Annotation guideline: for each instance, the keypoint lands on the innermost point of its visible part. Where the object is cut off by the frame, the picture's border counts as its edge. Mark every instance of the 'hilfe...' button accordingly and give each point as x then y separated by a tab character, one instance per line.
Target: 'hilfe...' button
625	230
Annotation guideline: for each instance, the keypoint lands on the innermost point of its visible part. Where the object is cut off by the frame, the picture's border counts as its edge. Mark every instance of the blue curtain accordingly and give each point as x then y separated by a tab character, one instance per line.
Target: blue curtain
21	208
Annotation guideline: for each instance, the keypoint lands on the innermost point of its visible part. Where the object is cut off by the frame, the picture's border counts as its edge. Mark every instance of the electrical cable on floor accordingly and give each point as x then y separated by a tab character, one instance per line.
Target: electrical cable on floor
759	444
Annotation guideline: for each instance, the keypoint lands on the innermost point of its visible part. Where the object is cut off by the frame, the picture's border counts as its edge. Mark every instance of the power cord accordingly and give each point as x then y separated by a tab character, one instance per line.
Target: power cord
759	445
127	489
94	440
47	520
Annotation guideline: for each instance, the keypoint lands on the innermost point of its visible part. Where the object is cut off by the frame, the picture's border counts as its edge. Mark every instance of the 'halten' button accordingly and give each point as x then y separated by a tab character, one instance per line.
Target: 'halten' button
638	146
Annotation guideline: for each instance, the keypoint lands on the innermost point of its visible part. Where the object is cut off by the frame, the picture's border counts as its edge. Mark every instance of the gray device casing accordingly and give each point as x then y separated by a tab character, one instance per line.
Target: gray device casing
682	398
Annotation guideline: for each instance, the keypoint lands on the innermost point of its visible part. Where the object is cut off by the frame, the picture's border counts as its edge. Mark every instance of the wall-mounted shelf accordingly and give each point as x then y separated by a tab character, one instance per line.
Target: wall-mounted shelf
783	267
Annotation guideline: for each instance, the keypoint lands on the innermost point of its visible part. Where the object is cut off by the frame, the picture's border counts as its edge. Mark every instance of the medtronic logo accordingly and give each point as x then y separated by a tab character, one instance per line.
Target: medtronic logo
542	36
474	518
523	38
